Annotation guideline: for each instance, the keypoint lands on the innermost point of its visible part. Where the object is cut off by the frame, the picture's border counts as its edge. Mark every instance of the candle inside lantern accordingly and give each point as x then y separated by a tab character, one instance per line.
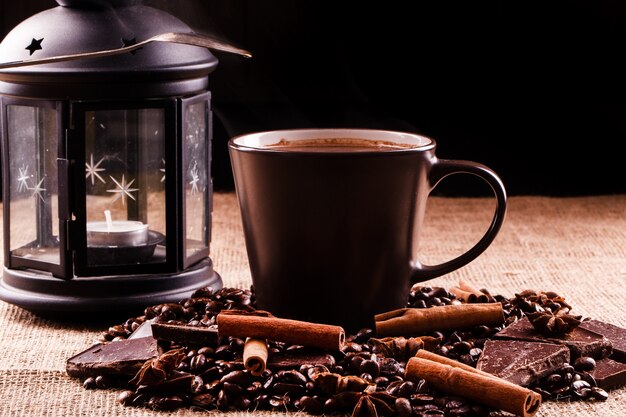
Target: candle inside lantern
116	232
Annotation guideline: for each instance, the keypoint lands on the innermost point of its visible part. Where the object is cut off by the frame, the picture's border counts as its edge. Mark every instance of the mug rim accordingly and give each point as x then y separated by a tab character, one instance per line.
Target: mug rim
322	133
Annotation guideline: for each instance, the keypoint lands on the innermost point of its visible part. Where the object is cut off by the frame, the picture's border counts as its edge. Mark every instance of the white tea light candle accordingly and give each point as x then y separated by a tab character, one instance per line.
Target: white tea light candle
116	232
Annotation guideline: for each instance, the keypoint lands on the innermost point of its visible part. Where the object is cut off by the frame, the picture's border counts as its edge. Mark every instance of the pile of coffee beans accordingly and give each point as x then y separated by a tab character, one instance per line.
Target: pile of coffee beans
571	383
213	377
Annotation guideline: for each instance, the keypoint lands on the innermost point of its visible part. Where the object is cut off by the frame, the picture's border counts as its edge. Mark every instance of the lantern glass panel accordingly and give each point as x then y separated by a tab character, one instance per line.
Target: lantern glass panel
196	178
33	192
125	185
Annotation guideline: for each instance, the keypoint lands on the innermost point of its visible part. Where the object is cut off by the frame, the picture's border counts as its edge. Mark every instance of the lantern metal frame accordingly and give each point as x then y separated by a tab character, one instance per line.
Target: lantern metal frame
166	77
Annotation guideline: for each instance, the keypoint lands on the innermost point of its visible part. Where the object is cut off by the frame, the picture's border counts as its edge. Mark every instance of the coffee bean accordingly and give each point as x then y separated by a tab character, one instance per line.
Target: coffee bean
309	405
554	379
406	389
222	401
277	402
421	399
205	401
231	389
314	370
589	378
579	385
240	378
103	382
126	397
90	383
599	394
585	363
241	403
363	335
166	403
331	406
283	388
403	407
370	366
197	363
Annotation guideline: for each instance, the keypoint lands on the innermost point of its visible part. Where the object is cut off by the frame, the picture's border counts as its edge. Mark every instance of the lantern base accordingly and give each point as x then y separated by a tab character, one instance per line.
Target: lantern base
102	296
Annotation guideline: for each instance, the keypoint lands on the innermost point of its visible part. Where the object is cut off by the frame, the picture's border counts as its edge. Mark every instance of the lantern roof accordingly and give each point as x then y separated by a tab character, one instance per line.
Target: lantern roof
78	26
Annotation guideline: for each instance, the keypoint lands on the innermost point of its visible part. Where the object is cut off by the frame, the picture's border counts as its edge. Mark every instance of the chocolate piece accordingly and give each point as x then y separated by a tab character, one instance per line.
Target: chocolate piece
294	360
617	336
120	358
144	330
521	362
184	334
609	373
581	342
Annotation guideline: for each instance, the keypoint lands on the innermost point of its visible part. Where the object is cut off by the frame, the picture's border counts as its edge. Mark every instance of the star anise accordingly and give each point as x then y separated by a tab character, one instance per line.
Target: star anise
156	370
401	348
332	383
553	324
374	404
531	301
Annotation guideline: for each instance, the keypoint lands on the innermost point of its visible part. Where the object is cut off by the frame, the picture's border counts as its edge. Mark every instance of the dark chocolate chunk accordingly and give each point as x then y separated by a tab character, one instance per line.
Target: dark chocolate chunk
294	360
521	362
144	330
185	334
581	342
122	357
609	373
617	336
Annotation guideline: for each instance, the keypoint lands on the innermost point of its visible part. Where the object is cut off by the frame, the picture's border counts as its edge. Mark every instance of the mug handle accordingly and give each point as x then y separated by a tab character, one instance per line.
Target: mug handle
440	169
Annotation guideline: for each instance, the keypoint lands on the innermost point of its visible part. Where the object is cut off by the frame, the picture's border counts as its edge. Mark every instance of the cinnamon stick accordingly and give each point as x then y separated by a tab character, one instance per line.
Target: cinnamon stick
255	355
449	317
488	390
463	295
478	295
424	354
323	336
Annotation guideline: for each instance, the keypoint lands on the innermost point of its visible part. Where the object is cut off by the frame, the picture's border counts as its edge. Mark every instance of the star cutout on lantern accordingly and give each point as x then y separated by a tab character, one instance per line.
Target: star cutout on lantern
23	178
91	170
194	179
38	190
123	189
163	169
35	45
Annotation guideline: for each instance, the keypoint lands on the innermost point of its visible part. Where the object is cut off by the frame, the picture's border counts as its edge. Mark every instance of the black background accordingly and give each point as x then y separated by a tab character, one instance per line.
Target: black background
533	89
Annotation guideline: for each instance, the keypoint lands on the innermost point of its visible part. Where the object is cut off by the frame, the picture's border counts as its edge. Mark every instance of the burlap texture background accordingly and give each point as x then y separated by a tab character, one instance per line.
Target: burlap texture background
574	246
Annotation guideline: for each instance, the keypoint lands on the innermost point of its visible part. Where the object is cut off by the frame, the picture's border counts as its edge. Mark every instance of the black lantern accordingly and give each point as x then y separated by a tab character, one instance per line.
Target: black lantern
106	162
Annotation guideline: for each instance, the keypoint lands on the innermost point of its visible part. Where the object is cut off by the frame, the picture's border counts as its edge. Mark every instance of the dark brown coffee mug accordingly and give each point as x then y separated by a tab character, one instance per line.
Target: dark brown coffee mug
332	218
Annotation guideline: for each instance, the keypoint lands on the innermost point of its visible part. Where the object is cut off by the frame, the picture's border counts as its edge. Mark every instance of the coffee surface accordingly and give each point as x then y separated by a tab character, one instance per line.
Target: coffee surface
339	145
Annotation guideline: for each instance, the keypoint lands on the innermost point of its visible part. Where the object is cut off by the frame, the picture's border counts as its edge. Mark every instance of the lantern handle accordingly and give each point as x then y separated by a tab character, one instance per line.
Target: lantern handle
171	37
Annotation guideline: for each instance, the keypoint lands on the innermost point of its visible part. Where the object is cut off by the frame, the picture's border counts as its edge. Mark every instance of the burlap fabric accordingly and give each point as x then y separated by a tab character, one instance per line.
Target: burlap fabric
574	246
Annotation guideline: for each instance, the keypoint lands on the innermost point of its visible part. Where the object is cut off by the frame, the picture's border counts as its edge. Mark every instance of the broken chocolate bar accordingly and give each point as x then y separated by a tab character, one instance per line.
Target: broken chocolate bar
123	357
609	373
185	334
293	360
617	336
581	342
521	362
